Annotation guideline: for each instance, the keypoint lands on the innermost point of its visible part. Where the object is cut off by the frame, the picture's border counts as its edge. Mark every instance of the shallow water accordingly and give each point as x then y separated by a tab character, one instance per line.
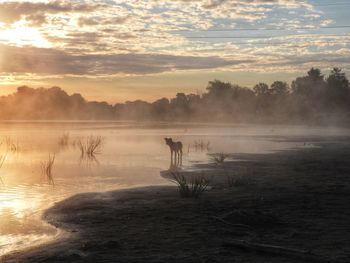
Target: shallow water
132	154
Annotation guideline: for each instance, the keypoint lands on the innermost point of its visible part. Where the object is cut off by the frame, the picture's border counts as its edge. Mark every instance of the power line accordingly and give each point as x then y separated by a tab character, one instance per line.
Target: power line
260	29
331	4
262	37
283	43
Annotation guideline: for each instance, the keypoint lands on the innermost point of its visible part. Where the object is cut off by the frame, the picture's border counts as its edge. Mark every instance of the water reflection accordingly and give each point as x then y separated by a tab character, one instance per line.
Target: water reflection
129	156
20	223
88	160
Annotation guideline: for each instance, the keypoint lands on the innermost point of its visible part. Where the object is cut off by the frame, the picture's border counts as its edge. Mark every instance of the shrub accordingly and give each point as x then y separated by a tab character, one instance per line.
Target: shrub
192	186
219	158
91	146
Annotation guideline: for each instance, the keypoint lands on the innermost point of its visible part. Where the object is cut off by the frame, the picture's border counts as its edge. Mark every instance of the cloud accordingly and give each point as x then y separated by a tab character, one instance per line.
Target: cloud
151	36
14	11
93	21
235	5
212	4
50	61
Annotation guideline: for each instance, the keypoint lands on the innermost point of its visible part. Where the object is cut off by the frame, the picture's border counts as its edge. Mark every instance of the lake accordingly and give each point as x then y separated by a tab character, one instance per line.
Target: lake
132	154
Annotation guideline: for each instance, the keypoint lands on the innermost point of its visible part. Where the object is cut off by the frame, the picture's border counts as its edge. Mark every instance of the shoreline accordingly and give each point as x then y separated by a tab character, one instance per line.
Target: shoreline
294	198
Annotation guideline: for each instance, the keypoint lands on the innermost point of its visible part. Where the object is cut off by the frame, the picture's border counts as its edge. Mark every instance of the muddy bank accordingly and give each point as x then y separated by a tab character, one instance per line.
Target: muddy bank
297	199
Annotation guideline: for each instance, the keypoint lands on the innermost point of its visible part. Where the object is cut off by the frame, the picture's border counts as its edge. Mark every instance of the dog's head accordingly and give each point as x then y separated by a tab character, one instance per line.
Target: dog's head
168	141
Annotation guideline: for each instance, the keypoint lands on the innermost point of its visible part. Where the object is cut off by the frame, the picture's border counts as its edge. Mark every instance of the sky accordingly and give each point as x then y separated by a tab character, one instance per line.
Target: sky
114	50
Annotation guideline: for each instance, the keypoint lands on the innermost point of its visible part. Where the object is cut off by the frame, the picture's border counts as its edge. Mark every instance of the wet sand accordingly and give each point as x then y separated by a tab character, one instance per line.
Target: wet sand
293	203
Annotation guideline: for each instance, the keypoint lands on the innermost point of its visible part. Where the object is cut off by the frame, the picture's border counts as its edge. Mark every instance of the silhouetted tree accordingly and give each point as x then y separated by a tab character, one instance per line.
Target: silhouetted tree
261	89
160	109
310	84
179	106
309	95
312	98
338	91
263	104
218	89
338	80
279	88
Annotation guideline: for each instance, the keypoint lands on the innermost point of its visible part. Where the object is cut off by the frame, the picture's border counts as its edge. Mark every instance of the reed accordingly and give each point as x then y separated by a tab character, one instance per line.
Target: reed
46	168
190	187
219	158
81	147
91	146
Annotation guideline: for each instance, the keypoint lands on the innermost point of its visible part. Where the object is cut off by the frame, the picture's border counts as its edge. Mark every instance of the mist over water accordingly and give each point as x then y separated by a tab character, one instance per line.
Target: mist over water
313	99
132	154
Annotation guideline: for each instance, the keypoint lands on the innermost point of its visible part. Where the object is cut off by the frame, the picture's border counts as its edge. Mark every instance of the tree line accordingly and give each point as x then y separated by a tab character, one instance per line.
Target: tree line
313	98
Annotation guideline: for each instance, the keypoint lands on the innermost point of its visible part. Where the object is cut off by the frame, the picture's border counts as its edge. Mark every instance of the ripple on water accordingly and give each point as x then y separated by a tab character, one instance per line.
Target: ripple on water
131	156
21	225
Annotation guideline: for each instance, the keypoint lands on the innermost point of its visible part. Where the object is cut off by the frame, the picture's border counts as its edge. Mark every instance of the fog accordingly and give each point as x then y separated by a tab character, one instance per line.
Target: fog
310	99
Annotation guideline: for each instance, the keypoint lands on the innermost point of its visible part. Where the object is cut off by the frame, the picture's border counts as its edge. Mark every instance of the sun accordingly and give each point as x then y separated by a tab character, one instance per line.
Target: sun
23	36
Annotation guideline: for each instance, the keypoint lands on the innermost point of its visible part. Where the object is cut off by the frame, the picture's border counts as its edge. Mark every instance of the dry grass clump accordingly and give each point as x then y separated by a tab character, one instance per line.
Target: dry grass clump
46	168
91	146
219	158
192	186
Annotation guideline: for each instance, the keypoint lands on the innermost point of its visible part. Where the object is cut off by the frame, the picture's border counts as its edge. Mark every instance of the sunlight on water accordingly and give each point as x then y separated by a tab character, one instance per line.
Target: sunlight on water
20	224
131	155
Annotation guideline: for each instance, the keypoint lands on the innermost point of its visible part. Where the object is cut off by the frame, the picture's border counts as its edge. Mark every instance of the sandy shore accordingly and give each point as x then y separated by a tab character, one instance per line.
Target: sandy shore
293	203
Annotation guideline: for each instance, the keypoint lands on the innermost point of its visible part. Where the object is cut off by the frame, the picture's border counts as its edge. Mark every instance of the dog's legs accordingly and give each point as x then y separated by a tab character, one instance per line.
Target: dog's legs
176	159
171	156
180	156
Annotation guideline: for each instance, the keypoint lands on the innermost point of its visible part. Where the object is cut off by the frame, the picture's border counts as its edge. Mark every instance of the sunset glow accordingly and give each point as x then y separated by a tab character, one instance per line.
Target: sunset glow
23	36
174	131
120	50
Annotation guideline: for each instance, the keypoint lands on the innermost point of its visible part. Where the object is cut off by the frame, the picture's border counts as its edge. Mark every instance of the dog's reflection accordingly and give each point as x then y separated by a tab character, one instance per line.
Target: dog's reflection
174	167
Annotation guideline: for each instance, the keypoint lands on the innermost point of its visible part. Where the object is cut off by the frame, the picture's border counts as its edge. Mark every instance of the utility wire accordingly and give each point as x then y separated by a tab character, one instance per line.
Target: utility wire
263	37
283	43
331	4
260	29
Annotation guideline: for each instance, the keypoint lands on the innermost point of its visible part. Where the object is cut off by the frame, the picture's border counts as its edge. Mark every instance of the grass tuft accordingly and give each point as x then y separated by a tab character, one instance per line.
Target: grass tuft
219	158
46	168
91	146
191	187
